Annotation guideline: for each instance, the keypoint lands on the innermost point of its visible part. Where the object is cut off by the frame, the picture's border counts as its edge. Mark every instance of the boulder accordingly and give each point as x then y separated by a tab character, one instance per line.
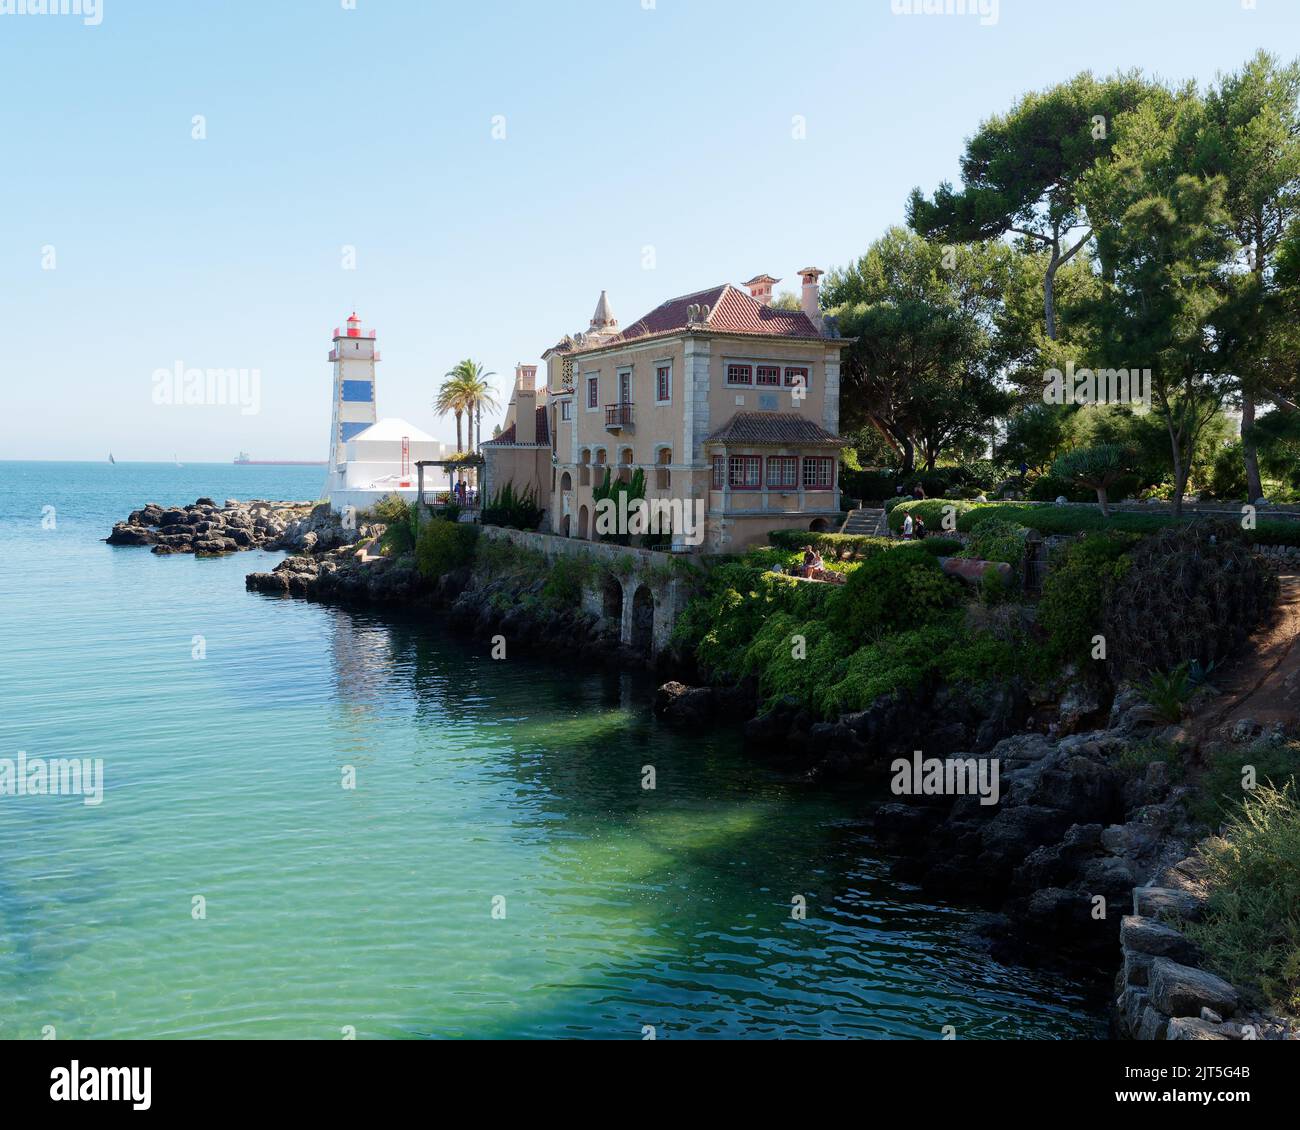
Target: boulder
1181	990
1165	902
1146	936
1194	1028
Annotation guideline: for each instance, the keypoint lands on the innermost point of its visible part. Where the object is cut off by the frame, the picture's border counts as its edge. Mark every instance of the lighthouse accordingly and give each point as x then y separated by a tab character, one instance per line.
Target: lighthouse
354	357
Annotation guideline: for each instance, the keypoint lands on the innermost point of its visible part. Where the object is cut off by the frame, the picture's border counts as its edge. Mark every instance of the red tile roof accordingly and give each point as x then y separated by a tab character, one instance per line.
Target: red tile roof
543	432
774	429
733	311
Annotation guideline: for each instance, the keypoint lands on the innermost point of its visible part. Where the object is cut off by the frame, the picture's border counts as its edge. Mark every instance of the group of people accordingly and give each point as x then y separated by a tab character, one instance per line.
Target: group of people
913	527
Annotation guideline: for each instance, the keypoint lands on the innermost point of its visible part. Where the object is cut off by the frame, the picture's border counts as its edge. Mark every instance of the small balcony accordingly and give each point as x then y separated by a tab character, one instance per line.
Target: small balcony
618	416
335	355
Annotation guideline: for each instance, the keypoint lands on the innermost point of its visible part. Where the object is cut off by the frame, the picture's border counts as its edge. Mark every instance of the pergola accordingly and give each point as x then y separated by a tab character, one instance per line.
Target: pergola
471	460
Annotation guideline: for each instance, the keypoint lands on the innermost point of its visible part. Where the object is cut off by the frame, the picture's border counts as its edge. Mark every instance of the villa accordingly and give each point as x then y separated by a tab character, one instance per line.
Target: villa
728	404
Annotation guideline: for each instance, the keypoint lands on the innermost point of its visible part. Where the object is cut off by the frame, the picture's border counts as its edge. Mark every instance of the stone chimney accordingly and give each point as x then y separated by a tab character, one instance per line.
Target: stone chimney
525	404
812	290
760	289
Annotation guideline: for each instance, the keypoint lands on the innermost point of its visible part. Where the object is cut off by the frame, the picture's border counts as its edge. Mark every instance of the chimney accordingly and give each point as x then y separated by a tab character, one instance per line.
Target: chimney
525	404
811	302
760	289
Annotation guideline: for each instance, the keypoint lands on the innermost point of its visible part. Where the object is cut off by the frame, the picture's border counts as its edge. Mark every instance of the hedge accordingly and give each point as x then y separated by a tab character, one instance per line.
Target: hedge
1050	520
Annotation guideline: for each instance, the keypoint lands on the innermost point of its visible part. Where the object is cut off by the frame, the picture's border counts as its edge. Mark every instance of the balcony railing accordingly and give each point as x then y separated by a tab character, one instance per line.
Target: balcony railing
334	356
618	416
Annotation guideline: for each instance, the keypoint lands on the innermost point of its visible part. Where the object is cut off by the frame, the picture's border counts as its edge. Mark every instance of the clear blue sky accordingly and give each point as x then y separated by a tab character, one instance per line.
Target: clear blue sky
372	127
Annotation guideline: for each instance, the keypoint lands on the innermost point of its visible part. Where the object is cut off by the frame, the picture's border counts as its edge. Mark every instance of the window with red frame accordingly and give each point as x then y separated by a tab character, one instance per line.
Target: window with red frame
593	392
818	473
783	470
768	375
740	374
719	471
744	472
663	383
796	375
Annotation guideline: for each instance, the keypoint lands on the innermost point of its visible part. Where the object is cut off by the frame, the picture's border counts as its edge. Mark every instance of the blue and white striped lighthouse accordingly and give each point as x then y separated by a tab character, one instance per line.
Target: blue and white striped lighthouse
354	356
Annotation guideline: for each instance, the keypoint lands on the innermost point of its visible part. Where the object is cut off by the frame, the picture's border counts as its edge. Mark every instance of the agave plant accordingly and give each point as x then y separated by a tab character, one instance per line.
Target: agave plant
1169	692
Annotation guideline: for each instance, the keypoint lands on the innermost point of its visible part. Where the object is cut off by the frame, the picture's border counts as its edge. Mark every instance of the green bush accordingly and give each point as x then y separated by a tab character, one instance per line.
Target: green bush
565	579
401	521
1222	787
516	510
996	539
931	511
1070	609
902	590
1251	930
444	546
838	546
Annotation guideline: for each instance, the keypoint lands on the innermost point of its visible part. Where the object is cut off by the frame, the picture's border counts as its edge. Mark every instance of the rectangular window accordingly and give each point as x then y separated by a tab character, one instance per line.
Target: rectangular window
818	473
566	409
663	383
593	392
744	472
740	374
719	469
358	392
796	375
769	375
782	471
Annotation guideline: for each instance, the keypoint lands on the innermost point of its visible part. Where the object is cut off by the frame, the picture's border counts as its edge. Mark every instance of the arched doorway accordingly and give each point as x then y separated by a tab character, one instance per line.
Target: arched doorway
643	620
566	504
582	522
612	602
564	526
819	525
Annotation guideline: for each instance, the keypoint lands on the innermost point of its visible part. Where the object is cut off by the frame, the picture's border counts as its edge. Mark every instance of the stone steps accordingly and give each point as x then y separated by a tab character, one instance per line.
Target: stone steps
865	522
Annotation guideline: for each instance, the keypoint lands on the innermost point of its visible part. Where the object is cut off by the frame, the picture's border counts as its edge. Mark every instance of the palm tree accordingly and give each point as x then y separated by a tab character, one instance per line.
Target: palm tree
469	379
455	396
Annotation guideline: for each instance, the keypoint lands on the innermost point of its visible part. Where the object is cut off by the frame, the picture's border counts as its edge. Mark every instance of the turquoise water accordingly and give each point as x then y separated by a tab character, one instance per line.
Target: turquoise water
330	909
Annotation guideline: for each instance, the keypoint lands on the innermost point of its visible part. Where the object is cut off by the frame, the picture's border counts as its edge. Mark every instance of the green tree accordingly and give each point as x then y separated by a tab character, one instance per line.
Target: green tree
1098	468
1022	170
1250	136
471	390
923	368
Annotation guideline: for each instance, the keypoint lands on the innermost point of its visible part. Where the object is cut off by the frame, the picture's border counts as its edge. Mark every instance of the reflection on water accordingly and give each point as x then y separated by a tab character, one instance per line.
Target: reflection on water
513	783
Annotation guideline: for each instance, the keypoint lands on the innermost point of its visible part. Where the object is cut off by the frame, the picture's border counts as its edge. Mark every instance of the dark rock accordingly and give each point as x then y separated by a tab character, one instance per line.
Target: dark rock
1181	990
1165	903
1146	936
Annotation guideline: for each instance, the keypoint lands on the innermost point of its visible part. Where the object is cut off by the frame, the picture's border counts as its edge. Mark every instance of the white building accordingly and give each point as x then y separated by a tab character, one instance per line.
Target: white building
369	458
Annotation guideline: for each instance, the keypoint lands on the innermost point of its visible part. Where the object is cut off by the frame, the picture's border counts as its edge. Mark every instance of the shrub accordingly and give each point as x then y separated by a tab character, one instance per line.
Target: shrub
940	546
1169	693
996	539
1192	592
401	521
444	546
1222	787
839	546
897	591
514	509
1251	930
1070	609
1048	488
993	589
565	579
931	511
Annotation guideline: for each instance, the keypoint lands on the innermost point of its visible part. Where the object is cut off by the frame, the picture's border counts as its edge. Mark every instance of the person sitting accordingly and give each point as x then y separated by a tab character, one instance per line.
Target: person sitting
816	569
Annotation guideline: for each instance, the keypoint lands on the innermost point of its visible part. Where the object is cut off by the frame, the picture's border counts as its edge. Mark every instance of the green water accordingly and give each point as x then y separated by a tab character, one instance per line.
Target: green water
513	784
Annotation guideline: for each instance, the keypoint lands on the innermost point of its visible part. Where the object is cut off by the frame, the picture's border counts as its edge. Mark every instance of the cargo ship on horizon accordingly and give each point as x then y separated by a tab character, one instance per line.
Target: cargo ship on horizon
242	459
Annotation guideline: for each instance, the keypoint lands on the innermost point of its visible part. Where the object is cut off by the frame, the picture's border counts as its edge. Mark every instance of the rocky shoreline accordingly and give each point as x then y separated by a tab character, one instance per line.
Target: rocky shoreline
208	530
1083	831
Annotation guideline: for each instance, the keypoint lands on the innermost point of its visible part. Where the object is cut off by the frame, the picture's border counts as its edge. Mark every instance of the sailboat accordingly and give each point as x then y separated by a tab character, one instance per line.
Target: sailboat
111	459
176	460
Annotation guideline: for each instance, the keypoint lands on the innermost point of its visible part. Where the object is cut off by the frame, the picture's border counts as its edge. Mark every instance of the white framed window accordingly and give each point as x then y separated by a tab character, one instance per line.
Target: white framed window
566	409
663	382
767	375
740	373
593	392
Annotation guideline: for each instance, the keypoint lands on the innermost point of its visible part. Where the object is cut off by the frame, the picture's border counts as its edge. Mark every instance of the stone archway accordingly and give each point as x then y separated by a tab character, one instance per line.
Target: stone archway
642	634
564	526
612	601
819	525
583	521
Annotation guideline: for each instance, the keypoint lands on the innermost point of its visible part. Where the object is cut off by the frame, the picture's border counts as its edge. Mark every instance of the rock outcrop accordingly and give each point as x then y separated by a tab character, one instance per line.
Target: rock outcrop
206	529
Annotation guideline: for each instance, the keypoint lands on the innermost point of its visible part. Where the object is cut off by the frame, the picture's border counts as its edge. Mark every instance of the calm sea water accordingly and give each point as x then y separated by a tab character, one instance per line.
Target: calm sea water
479	783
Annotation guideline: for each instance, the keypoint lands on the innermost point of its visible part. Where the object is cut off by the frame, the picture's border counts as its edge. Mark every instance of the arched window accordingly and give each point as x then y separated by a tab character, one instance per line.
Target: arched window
663	476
